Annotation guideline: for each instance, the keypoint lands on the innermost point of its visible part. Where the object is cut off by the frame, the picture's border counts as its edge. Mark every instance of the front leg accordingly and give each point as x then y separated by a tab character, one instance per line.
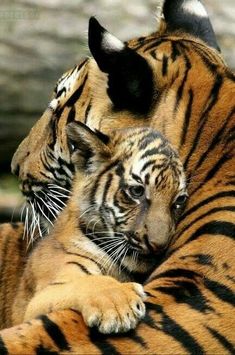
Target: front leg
104	302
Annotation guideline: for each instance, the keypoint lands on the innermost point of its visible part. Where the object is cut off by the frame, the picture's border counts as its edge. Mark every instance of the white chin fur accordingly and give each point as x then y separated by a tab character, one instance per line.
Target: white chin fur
111	44
194	7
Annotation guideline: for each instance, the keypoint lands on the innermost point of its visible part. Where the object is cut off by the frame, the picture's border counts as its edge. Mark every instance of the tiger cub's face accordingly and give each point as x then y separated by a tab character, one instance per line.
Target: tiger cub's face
130	189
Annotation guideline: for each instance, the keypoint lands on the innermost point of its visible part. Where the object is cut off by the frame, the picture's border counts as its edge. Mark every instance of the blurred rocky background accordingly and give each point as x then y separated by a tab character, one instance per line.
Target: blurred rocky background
40	39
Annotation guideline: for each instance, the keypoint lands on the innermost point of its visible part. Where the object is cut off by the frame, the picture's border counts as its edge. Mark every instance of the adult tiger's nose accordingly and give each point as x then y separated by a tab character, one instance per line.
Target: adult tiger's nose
15	169
26	188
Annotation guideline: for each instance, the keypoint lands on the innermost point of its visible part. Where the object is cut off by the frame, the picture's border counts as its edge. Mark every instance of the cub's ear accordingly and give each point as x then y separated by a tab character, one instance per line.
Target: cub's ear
189	16
130	78
88	149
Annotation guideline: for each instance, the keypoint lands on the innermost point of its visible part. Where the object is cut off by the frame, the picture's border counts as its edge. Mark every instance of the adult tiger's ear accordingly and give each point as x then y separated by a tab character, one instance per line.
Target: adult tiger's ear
88	149
130	78
189	16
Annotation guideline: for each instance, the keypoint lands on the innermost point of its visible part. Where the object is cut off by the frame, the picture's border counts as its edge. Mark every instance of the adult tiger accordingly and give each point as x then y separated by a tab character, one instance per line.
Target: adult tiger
176	82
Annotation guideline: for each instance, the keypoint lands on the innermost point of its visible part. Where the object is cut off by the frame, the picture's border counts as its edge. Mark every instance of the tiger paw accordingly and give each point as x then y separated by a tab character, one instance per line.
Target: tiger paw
113	307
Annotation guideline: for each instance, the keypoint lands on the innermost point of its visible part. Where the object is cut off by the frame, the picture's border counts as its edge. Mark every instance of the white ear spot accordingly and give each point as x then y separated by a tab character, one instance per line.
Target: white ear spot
194	7
111	43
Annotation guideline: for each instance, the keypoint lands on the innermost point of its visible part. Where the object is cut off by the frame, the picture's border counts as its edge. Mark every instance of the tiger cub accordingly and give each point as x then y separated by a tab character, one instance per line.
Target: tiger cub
128	192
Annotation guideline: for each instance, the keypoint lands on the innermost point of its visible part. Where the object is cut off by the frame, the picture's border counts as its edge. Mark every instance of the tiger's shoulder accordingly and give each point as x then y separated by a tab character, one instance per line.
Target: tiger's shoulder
13	254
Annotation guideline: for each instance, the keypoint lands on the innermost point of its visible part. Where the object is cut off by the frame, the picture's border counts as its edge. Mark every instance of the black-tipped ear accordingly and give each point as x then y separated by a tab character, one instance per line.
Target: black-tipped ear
130	78
88	149
191	17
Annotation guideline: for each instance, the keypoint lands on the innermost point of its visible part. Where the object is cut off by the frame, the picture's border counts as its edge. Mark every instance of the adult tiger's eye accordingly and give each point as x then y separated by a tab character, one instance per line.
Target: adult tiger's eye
180	201
136	191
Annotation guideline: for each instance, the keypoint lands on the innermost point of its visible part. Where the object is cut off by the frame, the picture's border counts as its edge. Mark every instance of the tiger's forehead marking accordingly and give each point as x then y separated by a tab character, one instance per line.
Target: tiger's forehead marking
65	85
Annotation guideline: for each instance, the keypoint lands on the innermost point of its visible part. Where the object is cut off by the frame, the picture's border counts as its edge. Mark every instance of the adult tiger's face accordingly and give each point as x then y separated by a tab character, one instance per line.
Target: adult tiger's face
129	187
159	80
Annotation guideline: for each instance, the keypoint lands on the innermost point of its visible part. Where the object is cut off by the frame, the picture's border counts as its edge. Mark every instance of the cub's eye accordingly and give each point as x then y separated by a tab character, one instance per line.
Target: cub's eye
72	146
180	201
136	191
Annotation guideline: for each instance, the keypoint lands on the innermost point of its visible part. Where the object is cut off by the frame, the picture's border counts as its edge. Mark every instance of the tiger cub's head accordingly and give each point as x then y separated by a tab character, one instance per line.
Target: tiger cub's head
129	187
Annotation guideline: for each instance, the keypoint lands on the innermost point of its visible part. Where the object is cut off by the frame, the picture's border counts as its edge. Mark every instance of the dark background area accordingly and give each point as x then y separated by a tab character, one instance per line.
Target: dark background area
40	39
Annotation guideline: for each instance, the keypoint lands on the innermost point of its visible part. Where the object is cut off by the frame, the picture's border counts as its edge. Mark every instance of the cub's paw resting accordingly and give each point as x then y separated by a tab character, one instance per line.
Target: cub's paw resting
114	307
103	301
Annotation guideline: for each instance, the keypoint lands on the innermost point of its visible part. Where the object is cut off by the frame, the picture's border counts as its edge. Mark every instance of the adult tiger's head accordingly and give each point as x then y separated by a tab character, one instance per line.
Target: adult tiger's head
166	80
129	189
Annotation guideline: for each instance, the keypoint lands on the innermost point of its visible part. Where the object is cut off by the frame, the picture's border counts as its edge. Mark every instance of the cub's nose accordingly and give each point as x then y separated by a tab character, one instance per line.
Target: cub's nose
154	247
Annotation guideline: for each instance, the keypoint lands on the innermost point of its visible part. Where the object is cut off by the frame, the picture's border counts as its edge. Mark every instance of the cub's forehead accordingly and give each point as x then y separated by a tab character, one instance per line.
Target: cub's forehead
147	154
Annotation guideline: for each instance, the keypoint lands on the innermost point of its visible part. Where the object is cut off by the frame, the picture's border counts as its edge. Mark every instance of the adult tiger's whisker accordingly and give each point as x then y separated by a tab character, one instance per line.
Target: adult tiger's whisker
56	198
59	188
44	213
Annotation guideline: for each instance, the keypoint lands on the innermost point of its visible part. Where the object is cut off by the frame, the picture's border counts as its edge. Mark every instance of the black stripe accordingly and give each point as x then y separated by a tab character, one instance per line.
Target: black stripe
220	291
155	44
55	333
60	92
218	166
170	327
42	350
96	184
201	259
82	267
175	51
208	200
87	112
213	97
106	188
213	171
149	321
86	257
154	307
164	65
150	152
76	95
226	229
142	42
206	214
147	164
184	80
215	141
100	340
149	138
207	61
135	177
71	115
3	348
137	339
52	126
187	292
222	340
187	117
175	273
